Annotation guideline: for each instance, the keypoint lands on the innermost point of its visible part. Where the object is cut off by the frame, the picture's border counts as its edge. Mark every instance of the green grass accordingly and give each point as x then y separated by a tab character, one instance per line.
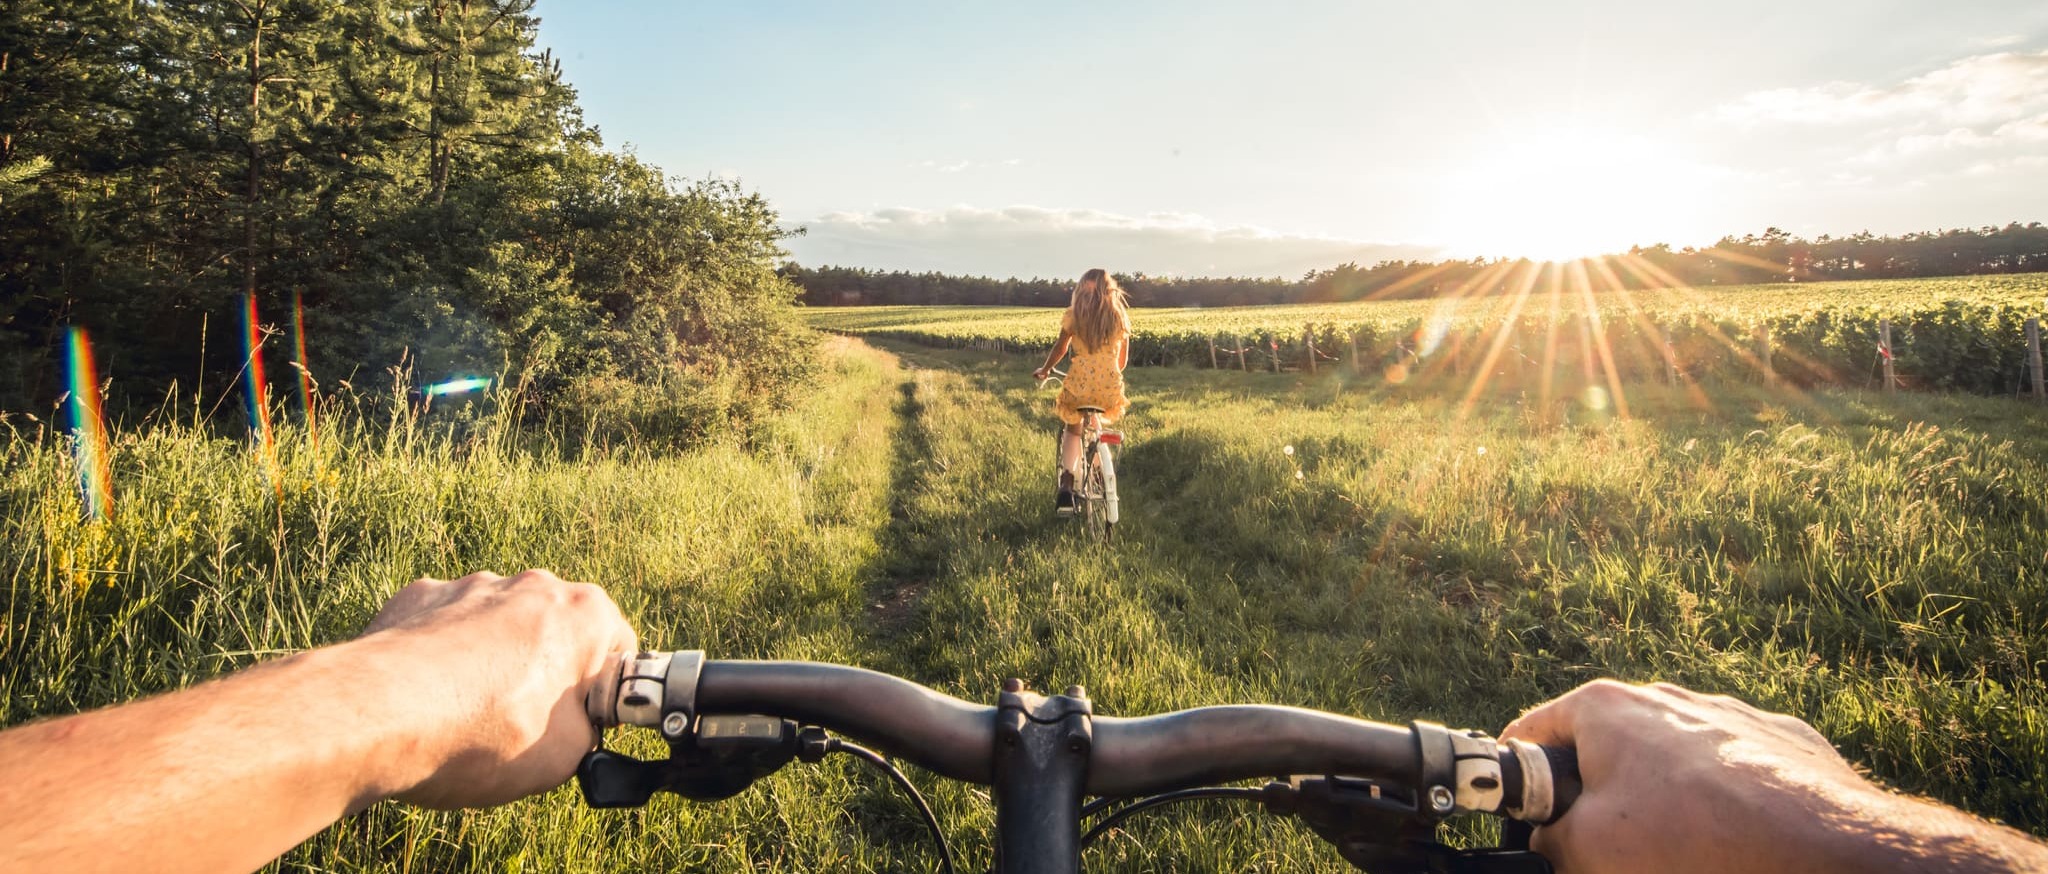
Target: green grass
1877	565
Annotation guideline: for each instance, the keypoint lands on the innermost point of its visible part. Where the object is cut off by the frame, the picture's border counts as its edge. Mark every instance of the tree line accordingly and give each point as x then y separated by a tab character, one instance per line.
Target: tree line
415	172
1770	257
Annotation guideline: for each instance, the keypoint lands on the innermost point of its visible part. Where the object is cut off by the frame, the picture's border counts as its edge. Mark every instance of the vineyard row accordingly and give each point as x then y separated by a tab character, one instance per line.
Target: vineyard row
1987	348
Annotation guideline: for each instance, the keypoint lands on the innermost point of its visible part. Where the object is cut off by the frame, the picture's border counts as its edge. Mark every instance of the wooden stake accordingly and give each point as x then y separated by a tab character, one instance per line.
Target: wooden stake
1212	351
1670	363
1356	365
1884	353
1273	349
1308	339
1237	340
2034	360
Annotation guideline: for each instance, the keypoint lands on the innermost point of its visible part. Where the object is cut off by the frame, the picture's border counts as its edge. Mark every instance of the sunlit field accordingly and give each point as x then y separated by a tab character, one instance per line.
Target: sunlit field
1877	565
1030	324
1565	337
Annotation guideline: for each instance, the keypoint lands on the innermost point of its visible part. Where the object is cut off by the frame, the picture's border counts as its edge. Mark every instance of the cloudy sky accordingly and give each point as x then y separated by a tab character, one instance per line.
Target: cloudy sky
1230	138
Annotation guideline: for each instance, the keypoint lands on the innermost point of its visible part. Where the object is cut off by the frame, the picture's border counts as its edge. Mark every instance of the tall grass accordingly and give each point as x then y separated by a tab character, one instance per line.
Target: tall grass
1873	564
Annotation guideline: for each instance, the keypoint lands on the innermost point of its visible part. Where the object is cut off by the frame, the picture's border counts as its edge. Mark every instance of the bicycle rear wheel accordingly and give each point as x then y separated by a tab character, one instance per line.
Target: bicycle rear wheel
1094	496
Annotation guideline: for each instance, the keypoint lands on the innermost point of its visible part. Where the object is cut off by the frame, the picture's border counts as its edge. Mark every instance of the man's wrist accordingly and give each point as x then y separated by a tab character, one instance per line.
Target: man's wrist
395	718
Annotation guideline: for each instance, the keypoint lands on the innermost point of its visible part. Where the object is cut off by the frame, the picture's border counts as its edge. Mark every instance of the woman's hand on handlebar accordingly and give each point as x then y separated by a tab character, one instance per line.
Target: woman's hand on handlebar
512	656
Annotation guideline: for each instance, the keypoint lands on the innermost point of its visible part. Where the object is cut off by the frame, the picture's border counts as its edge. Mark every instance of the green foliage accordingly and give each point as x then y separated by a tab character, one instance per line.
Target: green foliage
414	170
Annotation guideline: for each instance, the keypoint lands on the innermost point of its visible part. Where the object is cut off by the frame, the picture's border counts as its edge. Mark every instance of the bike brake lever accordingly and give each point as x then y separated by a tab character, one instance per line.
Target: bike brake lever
1377	828
717	758
609	779
1490	860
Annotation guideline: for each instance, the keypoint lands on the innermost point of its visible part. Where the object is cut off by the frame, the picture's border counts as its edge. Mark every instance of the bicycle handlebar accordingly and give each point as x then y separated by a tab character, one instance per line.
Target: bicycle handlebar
1450	771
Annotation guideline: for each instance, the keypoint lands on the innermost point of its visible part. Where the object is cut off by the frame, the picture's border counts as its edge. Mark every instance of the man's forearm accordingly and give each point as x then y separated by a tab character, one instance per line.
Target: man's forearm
1880	831
222	776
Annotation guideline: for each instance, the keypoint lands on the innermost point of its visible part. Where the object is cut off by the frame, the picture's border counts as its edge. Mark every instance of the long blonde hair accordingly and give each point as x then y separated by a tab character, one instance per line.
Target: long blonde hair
1100	309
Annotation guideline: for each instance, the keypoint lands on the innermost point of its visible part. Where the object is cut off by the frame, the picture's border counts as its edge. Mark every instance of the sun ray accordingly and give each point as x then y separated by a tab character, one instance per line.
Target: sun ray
1549	376
1504	328
1446	318
1650	327
1598	329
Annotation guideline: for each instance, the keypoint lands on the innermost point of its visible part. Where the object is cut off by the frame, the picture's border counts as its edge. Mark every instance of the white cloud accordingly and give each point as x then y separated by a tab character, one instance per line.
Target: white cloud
1035	241
1980	117
2004	41
1973	91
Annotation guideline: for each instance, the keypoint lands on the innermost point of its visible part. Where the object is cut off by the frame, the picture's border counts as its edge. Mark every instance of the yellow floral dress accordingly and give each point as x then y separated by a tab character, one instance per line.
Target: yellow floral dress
1093	380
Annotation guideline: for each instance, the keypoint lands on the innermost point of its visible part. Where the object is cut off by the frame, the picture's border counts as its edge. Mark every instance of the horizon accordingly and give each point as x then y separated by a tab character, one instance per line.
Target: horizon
1212	140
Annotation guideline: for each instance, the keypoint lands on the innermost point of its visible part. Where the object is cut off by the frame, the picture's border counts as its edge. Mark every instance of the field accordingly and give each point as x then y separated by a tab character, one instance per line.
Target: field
1876	564
1030	325
1963	333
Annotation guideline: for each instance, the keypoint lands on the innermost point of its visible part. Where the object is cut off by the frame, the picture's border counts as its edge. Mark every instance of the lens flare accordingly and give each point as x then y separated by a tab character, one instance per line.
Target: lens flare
455	387
259	390
89	428
305	371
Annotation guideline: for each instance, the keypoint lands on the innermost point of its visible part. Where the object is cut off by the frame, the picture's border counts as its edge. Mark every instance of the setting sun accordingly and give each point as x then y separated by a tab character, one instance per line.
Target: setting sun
1561	194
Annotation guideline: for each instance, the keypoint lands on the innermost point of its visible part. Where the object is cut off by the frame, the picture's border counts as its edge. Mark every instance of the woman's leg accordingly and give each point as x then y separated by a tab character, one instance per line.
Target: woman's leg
1070	451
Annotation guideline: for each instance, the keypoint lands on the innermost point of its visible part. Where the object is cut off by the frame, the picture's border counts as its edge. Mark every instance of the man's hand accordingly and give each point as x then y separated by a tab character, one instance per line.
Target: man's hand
1678	782
462	694
516	654
1040	373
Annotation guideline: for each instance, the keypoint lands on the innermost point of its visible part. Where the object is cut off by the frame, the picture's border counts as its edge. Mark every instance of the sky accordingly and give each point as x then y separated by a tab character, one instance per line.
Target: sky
1269	139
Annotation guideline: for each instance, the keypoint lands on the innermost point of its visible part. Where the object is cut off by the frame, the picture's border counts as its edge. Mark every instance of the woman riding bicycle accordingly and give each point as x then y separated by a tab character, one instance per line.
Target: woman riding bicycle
1097	324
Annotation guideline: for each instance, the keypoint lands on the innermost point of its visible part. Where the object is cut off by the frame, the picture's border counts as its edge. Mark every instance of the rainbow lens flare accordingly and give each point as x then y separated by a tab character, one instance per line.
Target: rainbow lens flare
259	385
455	387
89	428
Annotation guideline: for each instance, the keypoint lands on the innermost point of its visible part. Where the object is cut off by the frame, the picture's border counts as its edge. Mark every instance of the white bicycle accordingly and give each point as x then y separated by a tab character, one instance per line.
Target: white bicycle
1095	500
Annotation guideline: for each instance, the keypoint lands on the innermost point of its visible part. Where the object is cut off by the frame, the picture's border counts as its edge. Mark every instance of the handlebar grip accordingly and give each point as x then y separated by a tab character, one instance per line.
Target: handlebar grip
1545	782
1565	784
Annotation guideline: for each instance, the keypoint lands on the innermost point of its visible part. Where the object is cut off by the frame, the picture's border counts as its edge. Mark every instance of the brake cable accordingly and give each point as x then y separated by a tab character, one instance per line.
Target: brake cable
1144	804
815	744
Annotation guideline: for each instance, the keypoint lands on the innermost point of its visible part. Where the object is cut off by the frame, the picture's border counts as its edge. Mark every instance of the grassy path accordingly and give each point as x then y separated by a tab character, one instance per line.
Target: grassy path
1876	566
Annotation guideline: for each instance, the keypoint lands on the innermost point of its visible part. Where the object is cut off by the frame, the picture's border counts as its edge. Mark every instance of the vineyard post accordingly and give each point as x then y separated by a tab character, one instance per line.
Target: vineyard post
1884	353
1273	350
1237	340
1670	363
1212	352
2034	360
1357	366
1308	339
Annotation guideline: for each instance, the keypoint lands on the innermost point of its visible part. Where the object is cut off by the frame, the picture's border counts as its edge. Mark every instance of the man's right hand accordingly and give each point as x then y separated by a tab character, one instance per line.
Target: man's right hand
1678	782
513	657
